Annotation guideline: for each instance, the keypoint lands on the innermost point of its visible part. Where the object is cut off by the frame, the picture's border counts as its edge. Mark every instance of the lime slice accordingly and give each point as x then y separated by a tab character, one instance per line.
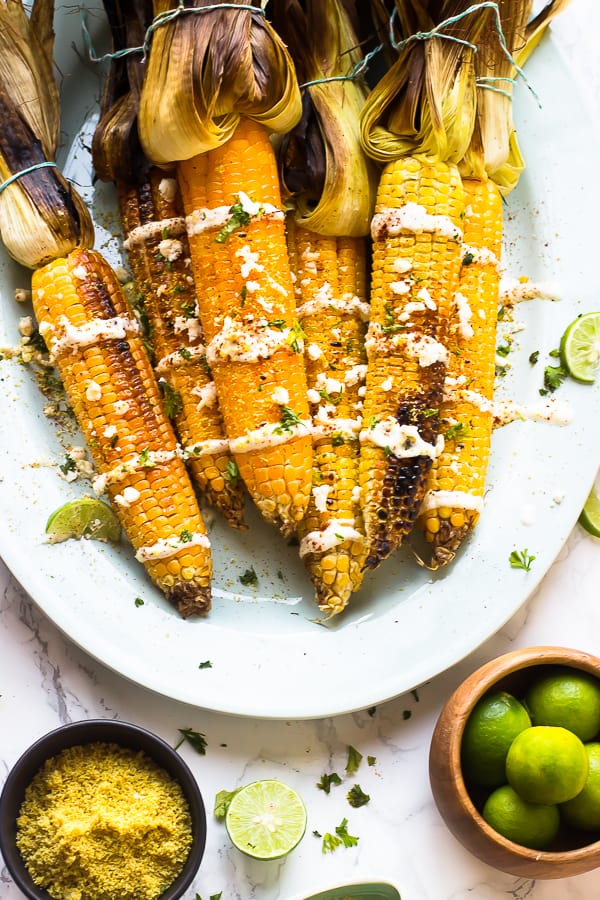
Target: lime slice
580	347
86	517
590	514
266	819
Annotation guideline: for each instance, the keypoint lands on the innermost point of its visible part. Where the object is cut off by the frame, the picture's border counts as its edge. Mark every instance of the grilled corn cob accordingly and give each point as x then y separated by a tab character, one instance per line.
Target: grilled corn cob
95	345
158	251
456	483
246	302
330	288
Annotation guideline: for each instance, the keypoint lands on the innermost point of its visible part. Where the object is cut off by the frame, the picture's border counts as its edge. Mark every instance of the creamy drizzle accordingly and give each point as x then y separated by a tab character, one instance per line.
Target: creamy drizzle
142	233
335	533
451	500
403	441
73	337
166	547
179	358
346	304
412	217
268	436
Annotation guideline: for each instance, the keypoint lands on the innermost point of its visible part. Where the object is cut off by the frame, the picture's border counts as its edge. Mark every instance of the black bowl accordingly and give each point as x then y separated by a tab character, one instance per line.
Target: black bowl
108	731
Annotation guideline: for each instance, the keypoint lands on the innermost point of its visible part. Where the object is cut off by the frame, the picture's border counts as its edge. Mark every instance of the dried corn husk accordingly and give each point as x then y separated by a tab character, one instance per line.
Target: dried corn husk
494	150
323	166
205	71
425	105
41	215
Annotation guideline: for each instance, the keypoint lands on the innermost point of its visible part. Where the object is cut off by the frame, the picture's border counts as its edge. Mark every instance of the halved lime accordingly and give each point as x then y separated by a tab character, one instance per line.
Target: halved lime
86	517
266	819
589	517
580	347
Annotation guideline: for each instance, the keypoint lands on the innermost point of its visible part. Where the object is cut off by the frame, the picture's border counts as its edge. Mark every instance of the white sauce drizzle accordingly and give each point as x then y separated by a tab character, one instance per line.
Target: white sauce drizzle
320	493
148	460
465	314
204	219
269	436
247	341
72	337
166	547
403	441
512	290
209	447
321	541
142	233
481	256
348	303
451	500
179	358
412	217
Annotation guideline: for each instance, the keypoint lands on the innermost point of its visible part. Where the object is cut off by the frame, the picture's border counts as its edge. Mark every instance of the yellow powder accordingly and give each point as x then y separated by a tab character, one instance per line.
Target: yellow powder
102	822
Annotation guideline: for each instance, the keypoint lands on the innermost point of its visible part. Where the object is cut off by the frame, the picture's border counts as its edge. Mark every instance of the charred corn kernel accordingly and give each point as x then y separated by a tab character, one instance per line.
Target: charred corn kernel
416	260
158	251
330	286
93	337
246	301
466	413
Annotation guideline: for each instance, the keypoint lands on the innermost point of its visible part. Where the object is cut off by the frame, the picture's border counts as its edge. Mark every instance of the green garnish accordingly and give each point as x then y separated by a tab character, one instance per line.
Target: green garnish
287	420
238	217
356	796
172	400
533	357
138	601
232	473
195	738
521	559
249	577
457	431
327	780
354	760
553	378
185	536
222	801
205	665
341	836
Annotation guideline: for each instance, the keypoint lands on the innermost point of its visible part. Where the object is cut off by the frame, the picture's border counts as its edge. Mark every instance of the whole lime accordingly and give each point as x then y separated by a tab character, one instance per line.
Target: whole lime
583	811
530	824
566	698
492	726
546	764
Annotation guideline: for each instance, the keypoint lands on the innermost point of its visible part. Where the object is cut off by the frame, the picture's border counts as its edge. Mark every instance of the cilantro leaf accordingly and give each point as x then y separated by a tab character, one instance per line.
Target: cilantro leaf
206	664
341	830
222	801
238	217
356	796
327	780
249	577
195	738
554	377
521	559
354	760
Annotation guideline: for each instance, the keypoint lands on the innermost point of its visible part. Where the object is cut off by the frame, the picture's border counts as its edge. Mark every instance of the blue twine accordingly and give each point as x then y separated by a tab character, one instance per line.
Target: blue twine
357	71
159	21
438	32
42	165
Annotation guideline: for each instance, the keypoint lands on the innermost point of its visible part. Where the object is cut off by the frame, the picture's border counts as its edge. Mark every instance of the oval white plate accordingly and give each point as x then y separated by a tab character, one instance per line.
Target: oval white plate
269	656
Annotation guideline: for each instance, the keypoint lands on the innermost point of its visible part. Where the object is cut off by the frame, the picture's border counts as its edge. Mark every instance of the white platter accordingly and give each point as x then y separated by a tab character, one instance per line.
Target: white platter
270	657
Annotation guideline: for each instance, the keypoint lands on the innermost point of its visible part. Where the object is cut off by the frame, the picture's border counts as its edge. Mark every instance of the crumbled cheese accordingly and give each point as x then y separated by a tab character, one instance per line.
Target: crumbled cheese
400	287
129	496
401	440
190	325
401	265
355	374
427	350
93	391
79	272
110	431
248	340
313	396
170	248
427	299
413	218
252	286
388	384
250	261
280	396
207	395
121	407
320	493
167	188
465	314
26	326
313	351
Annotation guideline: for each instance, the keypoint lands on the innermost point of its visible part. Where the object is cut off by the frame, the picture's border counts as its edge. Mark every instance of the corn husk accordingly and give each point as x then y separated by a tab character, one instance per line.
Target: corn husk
425	104
41	216
205	71
322	164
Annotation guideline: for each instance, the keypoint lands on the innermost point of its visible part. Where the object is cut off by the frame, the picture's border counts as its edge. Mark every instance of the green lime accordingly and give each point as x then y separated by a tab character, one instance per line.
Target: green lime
490	730
580	347
532	825
266	819
546	764
567	698
84	518
590	514
583	811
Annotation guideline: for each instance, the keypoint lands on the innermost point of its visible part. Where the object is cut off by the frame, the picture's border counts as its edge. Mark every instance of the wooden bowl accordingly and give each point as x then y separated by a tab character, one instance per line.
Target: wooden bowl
576	852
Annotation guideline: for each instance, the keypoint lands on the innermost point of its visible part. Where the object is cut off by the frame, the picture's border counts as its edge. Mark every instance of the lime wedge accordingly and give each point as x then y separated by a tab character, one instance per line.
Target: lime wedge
266	819
590	514
86	517
580	347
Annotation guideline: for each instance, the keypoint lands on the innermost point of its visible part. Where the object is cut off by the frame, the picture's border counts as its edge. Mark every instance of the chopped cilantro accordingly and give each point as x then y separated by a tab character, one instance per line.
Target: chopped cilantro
172	401
533	357
238	217
205	665
354	760
232	473
503	349
188	309
371	760
341	836
337	440
277	323
185	536
144	459
249	577
521	559
195	738
553	378
185	353
296	337
138	601
468	259
287	420
327	780
457	431
69	465
222	801
356	796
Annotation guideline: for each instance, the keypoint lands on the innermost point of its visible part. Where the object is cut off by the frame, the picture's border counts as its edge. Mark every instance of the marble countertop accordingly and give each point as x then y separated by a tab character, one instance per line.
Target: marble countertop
46	681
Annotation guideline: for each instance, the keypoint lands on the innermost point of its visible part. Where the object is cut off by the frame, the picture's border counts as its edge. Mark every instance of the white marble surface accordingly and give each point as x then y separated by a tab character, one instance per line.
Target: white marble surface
46	681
